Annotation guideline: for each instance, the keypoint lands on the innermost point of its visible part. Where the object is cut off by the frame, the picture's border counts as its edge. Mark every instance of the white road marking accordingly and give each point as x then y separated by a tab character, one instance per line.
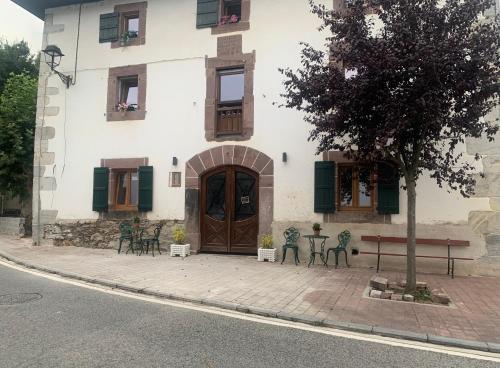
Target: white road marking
465	353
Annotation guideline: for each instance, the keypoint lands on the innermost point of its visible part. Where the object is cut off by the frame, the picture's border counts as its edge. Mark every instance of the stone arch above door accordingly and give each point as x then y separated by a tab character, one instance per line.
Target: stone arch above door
228	155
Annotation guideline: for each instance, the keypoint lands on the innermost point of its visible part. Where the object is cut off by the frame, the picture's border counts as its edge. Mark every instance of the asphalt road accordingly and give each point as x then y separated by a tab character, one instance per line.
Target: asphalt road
71	326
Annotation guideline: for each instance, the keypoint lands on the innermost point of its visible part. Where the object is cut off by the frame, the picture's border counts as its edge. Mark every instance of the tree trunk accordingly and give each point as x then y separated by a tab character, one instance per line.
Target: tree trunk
411	267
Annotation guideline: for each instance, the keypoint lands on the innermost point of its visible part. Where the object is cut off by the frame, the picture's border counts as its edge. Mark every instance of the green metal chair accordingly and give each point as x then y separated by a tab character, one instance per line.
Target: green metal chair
344	238
153	240
125	234
137	241
291	237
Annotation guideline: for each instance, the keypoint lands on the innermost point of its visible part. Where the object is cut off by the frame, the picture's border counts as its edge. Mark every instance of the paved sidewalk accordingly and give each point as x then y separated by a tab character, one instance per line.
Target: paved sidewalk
291	290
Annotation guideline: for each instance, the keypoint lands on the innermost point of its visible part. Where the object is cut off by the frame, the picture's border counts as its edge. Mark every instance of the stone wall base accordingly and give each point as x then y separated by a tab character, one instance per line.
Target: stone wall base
482	264
102	234
13	226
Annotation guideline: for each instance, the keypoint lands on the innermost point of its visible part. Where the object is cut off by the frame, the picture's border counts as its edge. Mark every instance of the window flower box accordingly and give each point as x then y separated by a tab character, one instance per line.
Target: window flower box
228	19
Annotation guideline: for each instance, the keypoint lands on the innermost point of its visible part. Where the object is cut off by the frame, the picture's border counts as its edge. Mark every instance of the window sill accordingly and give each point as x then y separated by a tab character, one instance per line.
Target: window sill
114	214
231	27
357	217
128	115
231	137
139	41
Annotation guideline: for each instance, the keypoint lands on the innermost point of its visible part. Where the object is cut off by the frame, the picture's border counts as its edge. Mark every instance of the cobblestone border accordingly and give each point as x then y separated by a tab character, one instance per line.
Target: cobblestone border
310	320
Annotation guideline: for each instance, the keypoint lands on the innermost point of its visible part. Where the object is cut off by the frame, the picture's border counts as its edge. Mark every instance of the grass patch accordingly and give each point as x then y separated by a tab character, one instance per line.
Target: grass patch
423	296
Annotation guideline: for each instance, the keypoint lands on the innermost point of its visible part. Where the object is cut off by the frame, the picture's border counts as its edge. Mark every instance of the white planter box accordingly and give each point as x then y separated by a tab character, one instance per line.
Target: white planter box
266	255
180	250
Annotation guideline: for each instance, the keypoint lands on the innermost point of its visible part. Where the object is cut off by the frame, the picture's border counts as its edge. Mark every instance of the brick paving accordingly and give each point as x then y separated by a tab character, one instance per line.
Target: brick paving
324	293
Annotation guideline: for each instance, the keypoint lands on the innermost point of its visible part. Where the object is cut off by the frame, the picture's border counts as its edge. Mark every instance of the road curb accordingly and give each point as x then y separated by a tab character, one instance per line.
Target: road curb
305	319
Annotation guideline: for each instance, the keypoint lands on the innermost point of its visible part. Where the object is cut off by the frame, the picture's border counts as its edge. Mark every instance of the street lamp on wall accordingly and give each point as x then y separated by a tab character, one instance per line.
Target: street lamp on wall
53	56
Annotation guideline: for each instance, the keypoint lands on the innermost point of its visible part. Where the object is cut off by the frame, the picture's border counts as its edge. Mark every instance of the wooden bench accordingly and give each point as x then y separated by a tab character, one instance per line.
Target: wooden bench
449	243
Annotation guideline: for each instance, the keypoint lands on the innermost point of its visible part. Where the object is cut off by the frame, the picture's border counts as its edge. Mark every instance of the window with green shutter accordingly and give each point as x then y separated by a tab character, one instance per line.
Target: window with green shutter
207	14
109	27
101	183
145	188
324	187
388	189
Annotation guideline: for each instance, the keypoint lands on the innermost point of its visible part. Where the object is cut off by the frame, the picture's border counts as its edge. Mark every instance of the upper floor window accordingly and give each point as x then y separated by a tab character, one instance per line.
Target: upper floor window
127	93
231	89
223	15
125	27
231	11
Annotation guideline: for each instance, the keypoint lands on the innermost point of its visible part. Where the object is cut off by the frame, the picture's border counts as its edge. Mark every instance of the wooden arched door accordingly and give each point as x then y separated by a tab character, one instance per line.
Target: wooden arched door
229	210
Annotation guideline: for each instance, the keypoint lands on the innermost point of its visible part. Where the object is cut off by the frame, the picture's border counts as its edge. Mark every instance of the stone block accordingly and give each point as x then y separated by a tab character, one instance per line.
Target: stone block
38	171
46	158
421	285
392	284
13	226
408	298
398	334
47	184
441	298
465	344
379	283
398	289
375	294
495	203
386	294
397	297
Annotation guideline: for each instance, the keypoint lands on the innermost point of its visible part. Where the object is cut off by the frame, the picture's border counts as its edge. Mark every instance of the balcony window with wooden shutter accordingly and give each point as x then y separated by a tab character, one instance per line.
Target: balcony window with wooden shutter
231	89
132	24
223	16
355	188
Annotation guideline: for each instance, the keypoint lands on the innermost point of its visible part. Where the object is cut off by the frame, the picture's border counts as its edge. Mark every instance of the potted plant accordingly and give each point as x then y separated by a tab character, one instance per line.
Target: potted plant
317	229
226	19
126	36
179	248
123	107
266	252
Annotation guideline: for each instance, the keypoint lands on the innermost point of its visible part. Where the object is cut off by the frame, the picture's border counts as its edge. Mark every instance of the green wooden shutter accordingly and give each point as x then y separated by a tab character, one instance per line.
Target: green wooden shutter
145	188
324	187
207	14
101	183
109	27
388	189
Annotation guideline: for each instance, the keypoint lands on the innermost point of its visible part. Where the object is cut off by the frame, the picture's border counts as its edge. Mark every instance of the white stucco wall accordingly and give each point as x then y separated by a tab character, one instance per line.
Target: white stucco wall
175	53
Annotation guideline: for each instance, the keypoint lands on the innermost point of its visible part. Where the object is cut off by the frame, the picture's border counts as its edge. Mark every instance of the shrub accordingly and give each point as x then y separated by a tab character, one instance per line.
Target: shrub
267	241
179	235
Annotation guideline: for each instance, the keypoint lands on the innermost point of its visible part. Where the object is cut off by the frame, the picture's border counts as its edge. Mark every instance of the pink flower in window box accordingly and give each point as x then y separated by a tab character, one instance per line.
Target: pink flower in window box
224	19
234	19
122	107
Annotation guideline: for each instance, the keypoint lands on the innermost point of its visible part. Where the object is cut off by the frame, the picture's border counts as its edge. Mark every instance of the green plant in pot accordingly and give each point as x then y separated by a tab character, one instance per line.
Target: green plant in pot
179	235
267	241
317	229
137	222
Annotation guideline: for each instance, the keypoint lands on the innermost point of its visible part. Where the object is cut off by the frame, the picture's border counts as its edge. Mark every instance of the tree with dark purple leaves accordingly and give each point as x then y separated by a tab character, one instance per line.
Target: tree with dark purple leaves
405	86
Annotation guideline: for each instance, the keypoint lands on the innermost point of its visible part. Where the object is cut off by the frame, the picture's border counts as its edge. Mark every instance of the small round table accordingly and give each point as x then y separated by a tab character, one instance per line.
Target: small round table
312	245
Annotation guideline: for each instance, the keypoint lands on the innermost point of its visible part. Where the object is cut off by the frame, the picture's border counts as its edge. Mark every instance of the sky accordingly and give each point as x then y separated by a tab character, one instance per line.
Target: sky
17	24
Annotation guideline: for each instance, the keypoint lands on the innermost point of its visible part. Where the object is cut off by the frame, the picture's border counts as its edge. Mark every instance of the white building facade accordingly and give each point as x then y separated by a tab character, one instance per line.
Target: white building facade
174	117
